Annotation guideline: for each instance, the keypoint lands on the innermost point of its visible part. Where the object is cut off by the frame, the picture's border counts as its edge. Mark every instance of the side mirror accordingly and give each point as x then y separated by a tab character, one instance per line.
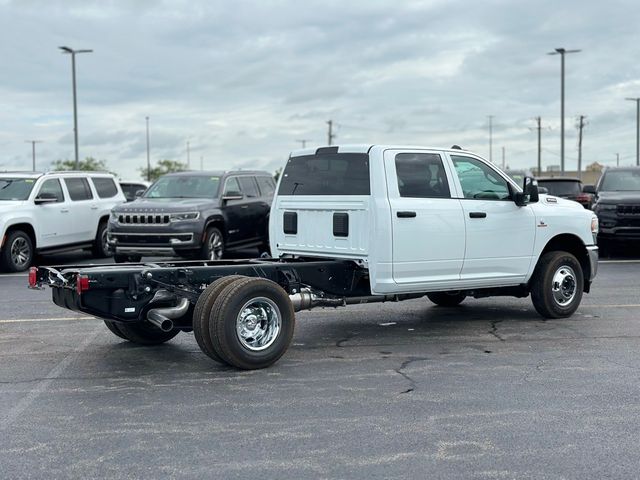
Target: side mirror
589	189
231	195
46	197
139	193
529	192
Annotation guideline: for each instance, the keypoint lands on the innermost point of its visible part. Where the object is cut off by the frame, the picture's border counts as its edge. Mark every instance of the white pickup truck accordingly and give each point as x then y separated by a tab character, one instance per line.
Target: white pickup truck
354	224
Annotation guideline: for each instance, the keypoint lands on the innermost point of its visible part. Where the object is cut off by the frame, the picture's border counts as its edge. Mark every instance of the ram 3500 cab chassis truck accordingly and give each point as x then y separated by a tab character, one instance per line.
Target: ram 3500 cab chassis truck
353	224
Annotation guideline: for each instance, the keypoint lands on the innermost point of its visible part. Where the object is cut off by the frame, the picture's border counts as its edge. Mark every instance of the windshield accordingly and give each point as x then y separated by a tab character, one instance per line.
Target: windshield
621	181
183	186
16	188
560	188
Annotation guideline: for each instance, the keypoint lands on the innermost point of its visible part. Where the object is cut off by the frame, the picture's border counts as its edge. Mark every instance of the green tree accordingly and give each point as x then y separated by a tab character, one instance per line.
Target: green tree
88	164
161	168
277	174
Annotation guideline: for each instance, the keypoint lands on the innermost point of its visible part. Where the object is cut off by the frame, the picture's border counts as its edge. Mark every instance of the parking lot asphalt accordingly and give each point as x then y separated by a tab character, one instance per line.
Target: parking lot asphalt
406	390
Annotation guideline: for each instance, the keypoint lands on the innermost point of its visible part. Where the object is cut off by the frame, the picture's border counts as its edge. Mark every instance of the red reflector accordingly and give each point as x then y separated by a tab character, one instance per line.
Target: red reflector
82	284
583	197
33	276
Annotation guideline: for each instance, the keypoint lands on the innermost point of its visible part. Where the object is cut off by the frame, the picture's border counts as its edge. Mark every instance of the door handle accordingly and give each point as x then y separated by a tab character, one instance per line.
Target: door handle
64	210
94	207
406	214
477	214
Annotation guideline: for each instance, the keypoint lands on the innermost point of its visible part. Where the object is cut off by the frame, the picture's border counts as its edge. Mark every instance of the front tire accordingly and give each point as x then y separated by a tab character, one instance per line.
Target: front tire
100	247
557	284
251	323
17	254
447	299
213	246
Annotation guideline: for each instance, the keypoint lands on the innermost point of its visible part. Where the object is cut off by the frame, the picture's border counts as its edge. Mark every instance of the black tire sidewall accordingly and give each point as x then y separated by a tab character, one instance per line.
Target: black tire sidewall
7	261
205	253
232	299
98	247
542	294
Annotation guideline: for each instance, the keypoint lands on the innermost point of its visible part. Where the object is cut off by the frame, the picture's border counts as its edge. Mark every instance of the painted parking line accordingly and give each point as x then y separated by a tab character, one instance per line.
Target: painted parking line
628	305
54	319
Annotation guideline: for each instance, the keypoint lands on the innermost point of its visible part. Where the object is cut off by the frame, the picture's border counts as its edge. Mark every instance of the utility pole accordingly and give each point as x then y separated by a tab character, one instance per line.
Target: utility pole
617	159
148	156
490	117
201	162
562	52
637	100
33	151
331	135
503	163
188	156
580	125
73	53
304	141
539	119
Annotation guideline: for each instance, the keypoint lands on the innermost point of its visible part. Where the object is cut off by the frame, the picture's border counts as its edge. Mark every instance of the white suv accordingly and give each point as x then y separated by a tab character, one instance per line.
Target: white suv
51	212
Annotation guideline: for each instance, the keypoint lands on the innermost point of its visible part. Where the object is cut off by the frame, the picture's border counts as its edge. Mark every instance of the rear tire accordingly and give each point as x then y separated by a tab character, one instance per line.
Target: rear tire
144	333
447	299
100	247
202	311
251	323
113	328
17	253
556	285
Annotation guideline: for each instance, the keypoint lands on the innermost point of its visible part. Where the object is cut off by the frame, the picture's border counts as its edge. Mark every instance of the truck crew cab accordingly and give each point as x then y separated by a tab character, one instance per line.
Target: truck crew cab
355	224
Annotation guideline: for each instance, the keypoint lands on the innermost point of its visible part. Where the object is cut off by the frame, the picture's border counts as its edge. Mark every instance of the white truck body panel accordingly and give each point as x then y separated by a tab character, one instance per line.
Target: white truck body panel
441	247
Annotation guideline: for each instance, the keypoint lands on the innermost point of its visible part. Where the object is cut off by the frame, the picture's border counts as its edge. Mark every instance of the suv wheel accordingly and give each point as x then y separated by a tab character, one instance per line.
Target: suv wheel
213	247
100	246
17	253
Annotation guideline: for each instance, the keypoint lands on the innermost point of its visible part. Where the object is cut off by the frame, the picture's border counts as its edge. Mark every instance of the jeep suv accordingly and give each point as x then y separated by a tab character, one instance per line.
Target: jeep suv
194	215
617	204
52	212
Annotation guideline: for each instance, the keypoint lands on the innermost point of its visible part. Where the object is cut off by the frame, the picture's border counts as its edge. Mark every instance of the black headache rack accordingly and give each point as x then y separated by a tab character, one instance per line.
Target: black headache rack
126	292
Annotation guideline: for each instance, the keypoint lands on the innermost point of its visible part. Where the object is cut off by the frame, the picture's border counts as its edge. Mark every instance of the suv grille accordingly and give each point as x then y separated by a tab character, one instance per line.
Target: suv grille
628	209
143	219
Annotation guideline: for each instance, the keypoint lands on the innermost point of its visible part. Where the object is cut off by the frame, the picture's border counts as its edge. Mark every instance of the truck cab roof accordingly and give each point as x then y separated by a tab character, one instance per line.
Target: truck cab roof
365	148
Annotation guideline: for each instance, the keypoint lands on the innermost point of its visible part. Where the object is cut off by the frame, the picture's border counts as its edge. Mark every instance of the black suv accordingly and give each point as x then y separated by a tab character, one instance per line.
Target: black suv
194	215
617	204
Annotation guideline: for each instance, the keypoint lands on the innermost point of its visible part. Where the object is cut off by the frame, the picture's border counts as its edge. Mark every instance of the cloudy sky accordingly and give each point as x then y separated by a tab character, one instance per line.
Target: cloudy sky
244	81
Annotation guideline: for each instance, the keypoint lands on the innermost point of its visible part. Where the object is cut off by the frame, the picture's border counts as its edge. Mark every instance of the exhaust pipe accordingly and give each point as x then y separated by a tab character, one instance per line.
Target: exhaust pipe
163	317
307	299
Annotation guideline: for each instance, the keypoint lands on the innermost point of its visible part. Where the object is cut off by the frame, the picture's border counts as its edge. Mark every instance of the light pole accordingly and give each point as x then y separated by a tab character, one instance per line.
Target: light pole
73	53
562	52
148	157
33	151
490	117
303	141
188	156
637	100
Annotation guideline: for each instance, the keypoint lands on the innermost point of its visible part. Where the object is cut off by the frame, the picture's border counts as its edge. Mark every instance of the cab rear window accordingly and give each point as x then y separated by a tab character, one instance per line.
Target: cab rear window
326	174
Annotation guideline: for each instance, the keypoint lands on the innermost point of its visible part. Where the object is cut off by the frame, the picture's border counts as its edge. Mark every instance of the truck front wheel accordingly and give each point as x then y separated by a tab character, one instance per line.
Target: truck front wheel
447	299
251	323
557	284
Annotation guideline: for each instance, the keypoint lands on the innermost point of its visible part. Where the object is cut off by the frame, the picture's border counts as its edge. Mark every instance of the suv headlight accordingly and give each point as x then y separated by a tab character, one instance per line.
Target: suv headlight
179	217
114	215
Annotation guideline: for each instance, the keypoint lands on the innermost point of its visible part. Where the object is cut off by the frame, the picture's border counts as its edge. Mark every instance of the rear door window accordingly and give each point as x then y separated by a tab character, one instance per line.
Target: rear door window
421	175
78	189
326	174
267	186
105	187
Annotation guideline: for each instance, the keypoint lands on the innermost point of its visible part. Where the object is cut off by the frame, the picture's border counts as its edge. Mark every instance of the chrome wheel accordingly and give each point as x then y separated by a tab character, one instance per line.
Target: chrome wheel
563	285
258	324
215	245
20	252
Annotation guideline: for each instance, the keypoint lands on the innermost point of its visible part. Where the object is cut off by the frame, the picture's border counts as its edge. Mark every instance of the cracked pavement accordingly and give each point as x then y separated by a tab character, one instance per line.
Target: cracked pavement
407	390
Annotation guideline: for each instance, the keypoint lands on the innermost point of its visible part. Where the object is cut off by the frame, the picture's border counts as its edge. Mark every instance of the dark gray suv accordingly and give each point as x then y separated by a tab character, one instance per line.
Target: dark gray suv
194	215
